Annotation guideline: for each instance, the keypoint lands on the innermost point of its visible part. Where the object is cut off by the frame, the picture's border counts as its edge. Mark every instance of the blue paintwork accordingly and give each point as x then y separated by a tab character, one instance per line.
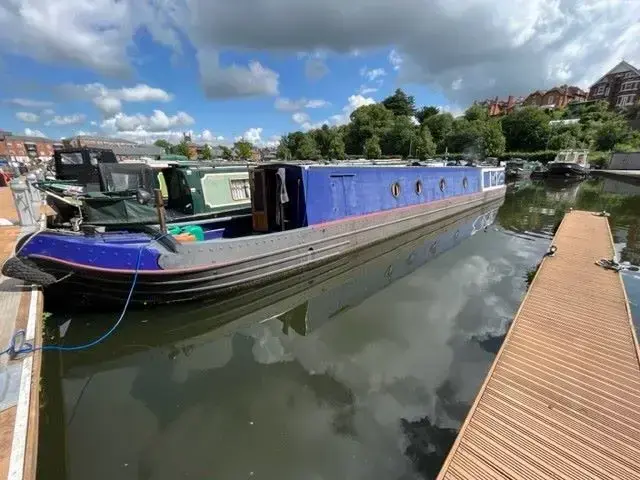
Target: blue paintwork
111	250
335	193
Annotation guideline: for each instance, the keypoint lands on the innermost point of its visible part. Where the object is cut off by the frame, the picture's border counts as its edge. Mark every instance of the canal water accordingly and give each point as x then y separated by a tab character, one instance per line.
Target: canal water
365	376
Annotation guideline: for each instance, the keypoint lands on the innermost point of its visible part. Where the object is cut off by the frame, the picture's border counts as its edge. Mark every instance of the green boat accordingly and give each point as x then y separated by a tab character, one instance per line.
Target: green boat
92	188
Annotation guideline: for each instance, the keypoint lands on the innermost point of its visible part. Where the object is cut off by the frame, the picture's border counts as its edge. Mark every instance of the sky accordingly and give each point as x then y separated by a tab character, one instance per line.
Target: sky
257	69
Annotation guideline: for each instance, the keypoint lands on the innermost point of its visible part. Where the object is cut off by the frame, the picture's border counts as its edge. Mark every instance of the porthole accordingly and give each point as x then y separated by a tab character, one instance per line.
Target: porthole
465	183
419	187
395	189
443	184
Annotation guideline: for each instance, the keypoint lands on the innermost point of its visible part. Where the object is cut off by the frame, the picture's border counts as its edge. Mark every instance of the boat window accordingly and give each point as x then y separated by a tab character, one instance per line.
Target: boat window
74	158
465	183
419	187
395	189
240	189
94	158
443	184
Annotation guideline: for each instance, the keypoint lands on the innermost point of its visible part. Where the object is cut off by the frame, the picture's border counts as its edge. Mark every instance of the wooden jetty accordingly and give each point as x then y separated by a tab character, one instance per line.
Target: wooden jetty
562	399
20	308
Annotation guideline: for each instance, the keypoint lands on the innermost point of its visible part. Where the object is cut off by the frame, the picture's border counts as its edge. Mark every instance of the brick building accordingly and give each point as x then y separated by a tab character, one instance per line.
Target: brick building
498	107
23	148
620	86
557	97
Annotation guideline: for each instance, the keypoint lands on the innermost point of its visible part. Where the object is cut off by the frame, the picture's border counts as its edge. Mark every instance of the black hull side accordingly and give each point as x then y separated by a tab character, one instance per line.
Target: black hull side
108	290
566	170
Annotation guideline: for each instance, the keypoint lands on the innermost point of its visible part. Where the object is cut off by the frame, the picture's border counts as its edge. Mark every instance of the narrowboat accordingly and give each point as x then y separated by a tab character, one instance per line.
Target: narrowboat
92	188
306	220
569	163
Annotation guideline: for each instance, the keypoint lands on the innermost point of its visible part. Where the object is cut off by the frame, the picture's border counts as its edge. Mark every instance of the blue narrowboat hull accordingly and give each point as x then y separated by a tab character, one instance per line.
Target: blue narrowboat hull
102	266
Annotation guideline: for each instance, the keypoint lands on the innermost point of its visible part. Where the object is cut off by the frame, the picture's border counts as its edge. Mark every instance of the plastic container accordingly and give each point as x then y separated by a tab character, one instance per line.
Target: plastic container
185	238
195	230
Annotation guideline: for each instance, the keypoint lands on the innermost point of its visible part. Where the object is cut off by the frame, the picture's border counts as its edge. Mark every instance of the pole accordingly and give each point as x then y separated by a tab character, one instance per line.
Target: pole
160	208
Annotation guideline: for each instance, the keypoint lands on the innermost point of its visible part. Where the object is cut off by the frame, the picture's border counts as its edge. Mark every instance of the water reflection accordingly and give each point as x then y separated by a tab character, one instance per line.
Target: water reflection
365	375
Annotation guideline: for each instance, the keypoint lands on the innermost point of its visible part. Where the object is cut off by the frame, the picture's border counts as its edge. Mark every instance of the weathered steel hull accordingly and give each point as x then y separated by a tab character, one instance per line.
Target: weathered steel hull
259	263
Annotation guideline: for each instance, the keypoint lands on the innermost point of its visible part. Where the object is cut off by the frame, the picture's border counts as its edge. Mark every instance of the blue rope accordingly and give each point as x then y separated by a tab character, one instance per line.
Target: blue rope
29	348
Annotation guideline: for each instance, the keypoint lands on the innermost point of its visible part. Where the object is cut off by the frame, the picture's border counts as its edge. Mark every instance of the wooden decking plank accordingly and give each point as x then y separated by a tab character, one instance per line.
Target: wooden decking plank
562	398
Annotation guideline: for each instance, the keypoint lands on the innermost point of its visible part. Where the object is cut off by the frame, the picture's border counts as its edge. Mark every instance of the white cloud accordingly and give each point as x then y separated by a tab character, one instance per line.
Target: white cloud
236	80
141	135
34	133
93	123
288	105
354	102
29	103
300	117
365	90
395	59
371	75
27	117
254	136
74	119
315	68
156	122
208	137
109	100
48	112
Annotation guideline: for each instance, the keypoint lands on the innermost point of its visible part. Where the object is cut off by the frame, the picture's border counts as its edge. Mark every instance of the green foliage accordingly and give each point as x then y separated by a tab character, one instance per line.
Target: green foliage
477	112
400	103
307	149
425	147
181	149
611	133
493	140
163	144
336	148
599	159
426	112
366	122
526	129
283	152
440	126
372	148
243	149
206	153
561	141
465	136
227	153
400	137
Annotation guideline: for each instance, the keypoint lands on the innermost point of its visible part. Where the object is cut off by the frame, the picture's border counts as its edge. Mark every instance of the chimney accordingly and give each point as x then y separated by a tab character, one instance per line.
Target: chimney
510	102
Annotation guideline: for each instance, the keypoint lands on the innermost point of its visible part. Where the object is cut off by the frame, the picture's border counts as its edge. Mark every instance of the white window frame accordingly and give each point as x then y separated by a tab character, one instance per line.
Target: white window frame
551	99
624	100
600	90
240	189
629	86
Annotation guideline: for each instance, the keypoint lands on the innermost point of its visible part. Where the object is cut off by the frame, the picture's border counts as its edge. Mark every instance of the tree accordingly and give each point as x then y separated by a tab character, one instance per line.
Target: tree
425	147
336	148
283	152
612	132
181	149
366	122
440	126
206	153
526	130
400	103
426	112
476	112
163	144
372	148
243	149
307	149
465	136
493	141
227	153
399	139
561	141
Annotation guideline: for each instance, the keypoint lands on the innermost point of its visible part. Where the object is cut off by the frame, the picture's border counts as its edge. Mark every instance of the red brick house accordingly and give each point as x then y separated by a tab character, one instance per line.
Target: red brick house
557	97
501	107
620	86
22	147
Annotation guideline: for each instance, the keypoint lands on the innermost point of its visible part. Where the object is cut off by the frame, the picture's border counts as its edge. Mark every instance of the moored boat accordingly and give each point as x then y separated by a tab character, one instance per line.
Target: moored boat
305	220
569	163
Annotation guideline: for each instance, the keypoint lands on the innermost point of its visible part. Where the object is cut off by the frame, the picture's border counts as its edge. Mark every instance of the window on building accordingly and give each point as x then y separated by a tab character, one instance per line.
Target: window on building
600	89
550	100
606	91
624	100
240	189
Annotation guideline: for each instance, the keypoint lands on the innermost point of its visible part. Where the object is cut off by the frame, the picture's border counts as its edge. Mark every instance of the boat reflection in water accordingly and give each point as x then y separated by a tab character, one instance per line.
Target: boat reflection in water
300	307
